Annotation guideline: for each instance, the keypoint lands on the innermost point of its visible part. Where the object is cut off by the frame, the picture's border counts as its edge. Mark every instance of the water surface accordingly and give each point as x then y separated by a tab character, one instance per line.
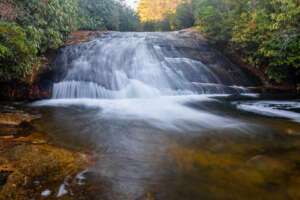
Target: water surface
192	147
154	110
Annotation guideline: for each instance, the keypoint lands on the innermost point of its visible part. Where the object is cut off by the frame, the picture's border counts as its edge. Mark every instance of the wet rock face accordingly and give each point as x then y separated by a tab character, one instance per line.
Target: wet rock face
125	65
15	123
23	91
16	118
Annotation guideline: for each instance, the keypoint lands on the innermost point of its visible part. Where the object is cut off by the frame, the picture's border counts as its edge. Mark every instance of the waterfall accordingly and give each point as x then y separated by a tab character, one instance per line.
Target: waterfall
143	65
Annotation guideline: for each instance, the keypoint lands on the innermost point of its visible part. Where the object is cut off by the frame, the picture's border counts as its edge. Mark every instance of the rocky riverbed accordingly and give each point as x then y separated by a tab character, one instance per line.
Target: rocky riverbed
33	168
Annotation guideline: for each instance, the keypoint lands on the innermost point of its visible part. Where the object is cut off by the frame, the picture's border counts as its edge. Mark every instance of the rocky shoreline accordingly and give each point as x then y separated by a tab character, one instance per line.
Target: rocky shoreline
31	167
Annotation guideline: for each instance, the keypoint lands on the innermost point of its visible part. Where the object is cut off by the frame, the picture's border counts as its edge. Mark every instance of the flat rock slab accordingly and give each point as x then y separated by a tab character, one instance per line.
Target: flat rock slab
16	118
78	37
14	122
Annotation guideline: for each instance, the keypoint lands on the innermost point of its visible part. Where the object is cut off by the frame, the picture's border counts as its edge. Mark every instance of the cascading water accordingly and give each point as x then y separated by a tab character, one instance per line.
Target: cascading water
133	99
142	65
139	86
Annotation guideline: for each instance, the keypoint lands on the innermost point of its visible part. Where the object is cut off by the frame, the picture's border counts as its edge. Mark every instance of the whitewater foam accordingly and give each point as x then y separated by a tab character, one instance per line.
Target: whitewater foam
169	112
272	108
139	65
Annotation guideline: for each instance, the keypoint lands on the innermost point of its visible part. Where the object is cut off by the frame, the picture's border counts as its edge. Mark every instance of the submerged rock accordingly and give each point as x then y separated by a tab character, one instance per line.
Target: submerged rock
44	163
30	167
15	123
5	171
16	118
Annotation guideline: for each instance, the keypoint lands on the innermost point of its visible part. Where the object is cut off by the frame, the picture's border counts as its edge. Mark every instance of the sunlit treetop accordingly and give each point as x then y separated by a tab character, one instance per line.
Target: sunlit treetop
155	10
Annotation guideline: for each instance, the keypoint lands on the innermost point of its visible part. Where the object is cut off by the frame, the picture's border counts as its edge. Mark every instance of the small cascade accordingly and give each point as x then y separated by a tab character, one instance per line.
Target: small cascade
143	65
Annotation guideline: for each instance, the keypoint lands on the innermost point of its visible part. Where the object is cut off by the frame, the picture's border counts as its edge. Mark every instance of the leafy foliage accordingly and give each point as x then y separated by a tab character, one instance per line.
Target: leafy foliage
38	26
29	28
51	20
184	16
129	21
106	15
268	34
156	10
17	53
265	33
169	15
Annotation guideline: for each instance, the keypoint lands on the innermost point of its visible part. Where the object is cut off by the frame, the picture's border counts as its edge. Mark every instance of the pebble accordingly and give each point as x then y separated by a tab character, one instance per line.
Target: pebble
46	193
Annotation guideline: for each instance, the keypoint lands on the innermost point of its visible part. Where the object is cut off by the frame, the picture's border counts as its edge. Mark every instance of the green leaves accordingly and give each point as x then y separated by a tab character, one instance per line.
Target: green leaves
106	15
52	20
265	32
184	17
40	25
17	52
44	24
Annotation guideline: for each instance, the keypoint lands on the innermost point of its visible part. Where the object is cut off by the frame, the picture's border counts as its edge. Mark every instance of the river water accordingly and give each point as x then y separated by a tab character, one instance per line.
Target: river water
167	117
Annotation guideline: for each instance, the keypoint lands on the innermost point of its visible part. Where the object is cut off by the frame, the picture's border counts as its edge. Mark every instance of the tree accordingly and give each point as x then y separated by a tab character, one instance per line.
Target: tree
106	15
35	27
156	10
17	52
52	20
265	33
29	28
184	16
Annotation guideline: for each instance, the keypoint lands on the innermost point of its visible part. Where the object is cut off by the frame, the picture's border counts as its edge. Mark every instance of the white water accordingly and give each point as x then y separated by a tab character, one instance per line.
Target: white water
139	65
150	76
136	94
134	89
163	112
272	108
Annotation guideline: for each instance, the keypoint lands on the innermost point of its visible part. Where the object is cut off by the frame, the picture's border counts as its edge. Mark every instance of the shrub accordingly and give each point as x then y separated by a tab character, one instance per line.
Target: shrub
17	51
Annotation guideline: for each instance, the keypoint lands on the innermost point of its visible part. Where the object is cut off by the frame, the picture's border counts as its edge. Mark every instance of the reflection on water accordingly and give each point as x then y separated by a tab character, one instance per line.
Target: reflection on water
178	148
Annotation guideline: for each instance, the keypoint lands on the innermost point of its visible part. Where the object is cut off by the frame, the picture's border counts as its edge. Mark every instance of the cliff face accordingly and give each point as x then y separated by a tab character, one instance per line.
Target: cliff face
24	91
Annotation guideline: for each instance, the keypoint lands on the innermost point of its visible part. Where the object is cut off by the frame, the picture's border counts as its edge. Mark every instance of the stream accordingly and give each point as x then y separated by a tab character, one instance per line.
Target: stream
167	117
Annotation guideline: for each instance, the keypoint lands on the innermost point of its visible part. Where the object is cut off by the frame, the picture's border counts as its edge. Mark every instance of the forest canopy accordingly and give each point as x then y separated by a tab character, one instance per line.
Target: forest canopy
29	28
265	33
156	10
